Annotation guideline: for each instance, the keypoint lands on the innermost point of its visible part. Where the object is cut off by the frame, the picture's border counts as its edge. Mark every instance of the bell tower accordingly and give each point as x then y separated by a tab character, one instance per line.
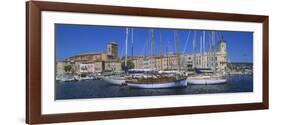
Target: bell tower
112	49
222	46
222	56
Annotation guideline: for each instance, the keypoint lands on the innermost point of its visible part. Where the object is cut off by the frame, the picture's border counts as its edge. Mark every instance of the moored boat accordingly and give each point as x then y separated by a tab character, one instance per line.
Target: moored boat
207	73
119	79
159	82
172	84
115	80
68	78
206	79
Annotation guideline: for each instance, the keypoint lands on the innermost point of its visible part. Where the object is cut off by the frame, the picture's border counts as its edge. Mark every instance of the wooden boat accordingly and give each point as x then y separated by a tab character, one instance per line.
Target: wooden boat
159	82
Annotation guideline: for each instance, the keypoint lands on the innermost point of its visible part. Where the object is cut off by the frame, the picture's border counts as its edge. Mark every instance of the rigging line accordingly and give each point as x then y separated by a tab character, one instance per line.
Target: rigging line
186	42
161	45
122	51
218	36
122	47
185	46
209	37
215	42
145	47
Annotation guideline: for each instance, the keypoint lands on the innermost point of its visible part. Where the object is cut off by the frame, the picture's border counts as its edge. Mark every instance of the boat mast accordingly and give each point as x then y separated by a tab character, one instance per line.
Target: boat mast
194	50
176	49
213	51
221	37
152	46
161	51
167	52
209	50
183	52
203	48
126	46
145	52
145	47
201	56
132	41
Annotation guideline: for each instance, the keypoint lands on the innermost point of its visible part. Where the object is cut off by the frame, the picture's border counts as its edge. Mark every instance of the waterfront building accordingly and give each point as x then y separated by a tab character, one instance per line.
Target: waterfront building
112	66
92	62
216	60
110	55
109	61
60	68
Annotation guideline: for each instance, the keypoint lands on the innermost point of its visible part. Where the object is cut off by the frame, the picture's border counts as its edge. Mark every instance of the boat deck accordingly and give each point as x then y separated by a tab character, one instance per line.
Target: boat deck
154	80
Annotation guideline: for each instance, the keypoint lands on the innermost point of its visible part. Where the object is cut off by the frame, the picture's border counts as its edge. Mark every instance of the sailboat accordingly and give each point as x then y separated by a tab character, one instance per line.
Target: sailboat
159	82
119	79
206	79
158	79
115	80
205	76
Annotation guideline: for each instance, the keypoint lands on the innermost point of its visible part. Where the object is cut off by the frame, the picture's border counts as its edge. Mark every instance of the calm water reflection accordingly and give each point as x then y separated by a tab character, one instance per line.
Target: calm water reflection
102	89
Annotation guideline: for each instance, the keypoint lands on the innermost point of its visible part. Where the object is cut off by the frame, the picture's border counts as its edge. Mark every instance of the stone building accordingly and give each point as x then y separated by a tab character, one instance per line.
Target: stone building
110	55
60	66
109	61
112	66
169	62
98	61
215	60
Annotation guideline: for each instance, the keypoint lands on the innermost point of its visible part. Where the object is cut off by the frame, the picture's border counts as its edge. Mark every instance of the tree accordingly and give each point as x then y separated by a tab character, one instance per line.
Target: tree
67	68
130	65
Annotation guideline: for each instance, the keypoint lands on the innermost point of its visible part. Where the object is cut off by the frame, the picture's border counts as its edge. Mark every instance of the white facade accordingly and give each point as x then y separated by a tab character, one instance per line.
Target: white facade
215	60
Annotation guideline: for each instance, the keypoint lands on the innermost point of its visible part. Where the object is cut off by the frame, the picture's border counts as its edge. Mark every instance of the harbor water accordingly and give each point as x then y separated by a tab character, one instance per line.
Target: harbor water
100	89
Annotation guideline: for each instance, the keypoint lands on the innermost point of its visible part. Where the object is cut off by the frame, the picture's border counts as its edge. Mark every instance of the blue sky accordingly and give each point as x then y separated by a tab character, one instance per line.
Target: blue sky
75	39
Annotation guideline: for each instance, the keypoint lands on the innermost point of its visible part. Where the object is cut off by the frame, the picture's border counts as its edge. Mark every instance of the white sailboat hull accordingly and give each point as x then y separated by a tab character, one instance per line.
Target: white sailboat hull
206	81
179	83
115	81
